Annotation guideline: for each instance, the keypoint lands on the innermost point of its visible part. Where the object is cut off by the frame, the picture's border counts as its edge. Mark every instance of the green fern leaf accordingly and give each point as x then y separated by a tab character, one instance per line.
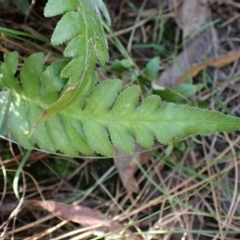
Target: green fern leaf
85	38
64	110
57	7
80	20
102	118
20	109
7	71
99	6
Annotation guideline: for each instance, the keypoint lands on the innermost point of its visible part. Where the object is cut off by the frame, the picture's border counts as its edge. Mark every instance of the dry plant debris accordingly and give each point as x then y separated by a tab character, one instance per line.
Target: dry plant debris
192	18
217	62
127	167
84	216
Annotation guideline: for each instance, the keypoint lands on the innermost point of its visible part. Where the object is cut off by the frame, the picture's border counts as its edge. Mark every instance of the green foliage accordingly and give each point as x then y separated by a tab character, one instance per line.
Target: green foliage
151	70
178	92
61	107
86	45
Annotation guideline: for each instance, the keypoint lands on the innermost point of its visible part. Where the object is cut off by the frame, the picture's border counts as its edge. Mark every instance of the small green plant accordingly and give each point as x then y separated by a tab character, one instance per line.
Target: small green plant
61	107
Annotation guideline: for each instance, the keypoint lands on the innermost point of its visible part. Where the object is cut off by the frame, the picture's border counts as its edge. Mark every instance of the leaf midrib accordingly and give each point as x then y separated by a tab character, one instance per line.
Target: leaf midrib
107	116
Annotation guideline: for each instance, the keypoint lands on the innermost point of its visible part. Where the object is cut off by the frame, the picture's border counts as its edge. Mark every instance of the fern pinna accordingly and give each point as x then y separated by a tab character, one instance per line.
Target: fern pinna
61	107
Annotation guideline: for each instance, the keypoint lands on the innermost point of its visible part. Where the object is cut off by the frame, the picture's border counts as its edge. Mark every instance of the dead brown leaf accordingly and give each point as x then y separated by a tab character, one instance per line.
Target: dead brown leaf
127	167
217	62
82	215
78	214
191	17
195	52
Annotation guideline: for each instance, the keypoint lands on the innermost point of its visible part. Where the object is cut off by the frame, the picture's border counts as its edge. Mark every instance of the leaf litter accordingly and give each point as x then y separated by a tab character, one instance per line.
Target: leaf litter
84	216
201	51
217	62
202	44
127	167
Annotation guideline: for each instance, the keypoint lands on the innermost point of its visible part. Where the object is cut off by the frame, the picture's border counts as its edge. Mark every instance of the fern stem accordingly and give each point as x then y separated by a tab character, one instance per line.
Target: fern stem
17	174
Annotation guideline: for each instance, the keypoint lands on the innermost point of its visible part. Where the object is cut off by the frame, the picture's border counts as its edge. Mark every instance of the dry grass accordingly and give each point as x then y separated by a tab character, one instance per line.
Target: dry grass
189	193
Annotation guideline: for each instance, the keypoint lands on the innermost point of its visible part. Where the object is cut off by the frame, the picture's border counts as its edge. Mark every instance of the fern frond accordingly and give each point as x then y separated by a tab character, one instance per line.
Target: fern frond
64	110
100	7
81	29
102	118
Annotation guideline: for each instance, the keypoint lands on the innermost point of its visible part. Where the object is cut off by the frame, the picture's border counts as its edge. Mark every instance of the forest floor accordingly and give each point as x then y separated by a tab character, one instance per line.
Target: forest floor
188	190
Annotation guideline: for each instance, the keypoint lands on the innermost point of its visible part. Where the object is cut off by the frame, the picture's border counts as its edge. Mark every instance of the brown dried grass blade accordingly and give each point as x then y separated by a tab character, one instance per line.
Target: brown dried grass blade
217	62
